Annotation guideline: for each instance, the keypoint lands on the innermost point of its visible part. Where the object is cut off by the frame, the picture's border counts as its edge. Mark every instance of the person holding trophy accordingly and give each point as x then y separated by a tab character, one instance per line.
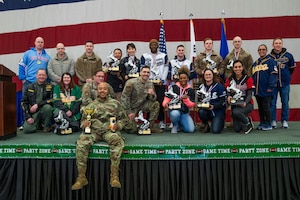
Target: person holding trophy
178	100
112	67
130	65
102	119
139	94
66	103
211	102
240	88
159	68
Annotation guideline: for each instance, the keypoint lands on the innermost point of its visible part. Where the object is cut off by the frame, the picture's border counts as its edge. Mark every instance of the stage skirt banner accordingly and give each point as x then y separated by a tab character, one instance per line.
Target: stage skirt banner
156	152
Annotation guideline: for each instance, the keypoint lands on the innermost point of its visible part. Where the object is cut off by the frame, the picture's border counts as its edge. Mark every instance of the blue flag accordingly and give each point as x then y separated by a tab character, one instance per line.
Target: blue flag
26	4
224	46
162	38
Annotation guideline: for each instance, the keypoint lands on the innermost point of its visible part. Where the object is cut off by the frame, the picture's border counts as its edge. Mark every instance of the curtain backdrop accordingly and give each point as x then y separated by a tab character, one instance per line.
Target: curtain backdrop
253	179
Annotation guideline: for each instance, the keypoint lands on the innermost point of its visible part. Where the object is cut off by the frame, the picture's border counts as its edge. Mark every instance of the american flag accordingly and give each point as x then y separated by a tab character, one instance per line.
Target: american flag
109	26
162	38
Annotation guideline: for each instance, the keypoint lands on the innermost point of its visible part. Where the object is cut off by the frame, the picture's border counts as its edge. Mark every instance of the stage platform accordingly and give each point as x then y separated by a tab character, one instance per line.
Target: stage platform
277	143
227	166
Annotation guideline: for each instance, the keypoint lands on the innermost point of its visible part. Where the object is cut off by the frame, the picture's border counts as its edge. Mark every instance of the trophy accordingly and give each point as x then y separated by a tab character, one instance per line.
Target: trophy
175	65
112	122
62	124
155	76
211	64
113	63
230	64
89	112
236	94
204	97
174	104
143	128
133	72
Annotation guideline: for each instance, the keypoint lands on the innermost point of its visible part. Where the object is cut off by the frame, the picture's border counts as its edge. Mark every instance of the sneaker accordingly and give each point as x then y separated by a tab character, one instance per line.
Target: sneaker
171	125
251	122
206	128
267	127
248	128
46	129
285	124
162	125
260	126
174	129
21	128
274	124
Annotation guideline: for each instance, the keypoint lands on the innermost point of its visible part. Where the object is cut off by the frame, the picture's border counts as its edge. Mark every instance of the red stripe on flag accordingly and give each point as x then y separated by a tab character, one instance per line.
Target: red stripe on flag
296	74
141	30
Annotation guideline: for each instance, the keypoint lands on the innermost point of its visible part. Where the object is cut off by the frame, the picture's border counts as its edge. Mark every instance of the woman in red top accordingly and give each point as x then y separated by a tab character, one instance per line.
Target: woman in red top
239	95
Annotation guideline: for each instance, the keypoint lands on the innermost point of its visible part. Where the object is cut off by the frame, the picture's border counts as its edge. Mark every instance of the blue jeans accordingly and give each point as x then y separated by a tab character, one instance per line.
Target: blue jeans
217	119
284	96
184	119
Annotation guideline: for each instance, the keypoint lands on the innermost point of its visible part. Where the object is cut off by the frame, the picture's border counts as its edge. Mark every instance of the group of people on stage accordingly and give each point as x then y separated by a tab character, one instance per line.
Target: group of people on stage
209	84
152	86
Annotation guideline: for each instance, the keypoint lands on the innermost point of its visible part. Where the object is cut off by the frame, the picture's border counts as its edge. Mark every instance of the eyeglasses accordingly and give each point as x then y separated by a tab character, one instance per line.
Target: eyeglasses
262	49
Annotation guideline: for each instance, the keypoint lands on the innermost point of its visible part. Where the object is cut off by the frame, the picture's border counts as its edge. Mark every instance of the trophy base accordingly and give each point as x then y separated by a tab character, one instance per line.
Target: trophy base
87	130
144	132
155	81
66	131
203	105
236	102
114	69
175	106
133	75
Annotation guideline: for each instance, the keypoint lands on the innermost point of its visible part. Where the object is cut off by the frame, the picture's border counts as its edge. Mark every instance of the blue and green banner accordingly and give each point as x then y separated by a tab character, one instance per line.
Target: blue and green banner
153	152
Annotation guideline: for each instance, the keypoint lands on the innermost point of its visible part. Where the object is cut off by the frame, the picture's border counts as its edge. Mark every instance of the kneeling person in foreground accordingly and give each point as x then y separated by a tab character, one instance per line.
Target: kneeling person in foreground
102	119
139	94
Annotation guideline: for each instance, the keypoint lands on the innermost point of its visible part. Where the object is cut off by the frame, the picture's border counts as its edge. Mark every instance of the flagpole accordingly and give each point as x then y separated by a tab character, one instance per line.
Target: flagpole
192	56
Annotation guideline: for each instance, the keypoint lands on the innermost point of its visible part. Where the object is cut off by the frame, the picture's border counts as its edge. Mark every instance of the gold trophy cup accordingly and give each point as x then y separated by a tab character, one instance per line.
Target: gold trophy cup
89	113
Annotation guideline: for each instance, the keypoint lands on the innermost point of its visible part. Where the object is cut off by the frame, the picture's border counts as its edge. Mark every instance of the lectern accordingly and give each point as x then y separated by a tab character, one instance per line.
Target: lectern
8	118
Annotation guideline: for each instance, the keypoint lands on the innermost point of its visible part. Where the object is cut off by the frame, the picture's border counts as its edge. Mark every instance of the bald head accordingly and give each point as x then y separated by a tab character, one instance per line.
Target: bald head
237	42
60	48
39	43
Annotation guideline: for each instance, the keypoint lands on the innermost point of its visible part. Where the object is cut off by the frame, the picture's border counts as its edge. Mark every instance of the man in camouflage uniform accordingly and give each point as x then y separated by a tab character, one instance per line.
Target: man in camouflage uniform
208	59
89	90
101	128
237	53
139	94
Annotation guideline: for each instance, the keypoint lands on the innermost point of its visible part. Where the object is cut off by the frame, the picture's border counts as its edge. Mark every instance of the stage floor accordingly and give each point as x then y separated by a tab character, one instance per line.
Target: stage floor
257	144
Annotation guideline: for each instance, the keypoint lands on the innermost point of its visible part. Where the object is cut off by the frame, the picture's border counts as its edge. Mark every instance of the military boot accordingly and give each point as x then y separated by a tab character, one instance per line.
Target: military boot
114	177
153	129
81	179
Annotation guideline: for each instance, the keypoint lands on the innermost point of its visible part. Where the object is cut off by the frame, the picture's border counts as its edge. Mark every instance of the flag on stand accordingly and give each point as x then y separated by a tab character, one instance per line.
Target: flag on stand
223	46
193	53
162	38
